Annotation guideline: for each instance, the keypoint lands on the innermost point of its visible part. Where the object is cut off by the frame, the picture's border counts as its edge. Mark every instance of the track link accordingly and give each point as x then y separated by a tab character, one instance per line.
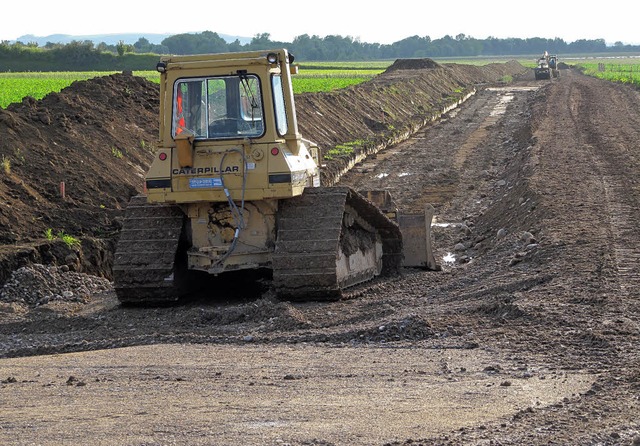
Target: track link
144	268
311	233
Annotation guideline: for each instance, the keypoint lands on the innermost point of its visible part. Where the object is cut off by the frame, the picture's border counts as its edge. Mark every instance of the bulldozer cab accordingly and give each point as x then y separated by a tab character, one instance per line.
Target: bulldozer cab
228	129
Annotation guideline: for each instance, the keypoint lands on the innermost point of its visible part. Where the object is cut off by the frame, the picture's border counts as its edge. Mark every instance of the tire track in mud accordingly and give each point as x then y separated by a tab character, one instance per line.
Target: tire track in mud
569	177
611	144
624	217
585	165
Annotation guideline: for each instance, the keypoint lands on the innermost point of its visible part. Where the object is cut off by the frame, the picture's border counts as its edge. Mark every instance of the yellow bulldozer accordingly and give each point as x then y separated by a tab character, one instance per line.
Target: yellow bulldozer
234	186
546	66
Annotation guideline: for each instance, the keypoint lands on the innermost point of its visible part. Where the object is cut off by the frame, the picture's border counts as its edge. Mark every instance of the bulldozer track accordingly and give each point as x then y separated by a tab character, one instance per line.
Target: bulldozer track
309	236
616	172
144	264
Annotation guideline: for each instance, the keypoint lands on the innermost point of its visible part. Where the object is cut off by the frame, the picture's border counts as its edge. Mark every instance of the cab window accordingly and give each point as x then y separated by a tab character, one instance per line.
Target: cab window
218	107
279	104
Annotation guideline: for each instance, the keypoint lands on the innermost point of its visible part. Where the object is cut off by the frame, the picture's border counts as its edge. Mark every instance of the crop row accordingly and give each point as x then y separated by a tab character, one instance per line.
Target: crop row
628	73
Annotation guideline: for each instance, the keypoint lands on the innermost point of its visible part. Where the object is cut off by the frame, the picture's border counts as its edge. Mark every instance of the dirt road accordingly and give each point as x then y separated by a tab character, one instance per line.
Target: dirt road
529	335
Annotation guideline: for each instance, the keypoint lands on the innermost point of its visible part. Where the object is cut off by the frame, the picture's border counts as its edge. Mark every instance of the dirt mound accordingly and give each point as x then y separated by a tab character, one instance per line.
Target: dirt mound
413	64
97	137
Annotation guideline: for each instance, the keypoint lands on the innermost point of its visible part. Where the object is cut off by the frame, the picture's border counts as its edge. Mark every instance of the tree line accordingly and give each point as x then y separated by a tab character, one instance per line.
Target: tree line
142	55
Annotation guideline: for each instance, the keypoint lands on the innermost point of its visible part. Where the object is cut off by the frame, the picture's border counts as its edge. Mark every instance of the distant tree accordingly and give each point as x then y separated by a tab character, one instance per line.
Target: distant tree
142	45
308	48
75	55
122	48
587	46
408	47
205	42
235	46
260	40
339	48
103	47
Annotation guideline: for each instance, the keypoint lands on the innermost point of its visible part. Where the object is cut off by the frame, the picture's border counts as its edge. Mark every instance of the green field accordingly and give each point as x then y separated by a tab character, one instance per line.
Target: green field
15	86
319	77
624	70
313	77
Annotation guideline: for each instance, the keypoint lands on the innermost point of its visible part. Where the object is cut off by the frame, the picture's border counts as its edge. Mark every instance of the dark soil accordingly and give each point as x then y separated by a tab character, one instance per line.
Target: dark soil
537	197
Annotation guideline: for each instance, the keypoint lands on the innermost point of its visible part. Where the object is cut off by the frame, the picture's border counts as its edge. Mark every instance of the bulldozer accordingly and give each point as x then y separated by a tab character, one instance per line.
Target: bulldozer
234	187
546	66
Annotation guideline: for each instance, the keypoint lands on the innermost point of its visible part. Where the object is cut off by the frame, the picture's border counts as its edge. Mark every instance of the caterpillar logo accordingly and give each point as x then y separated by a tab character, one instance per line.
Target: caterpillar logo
204	170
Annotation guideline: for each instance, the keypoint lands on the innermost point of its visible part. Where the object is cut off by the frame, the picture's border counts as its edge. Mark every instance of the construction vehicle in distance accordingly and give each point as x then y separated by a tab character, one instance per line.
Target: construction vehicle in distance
234	186
547	66
553	65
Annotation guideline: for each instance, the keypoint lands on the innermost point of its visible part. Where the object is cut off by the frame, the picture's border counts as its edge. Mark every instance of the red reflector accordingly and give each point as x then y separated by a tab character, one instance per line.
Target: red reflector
162	156
275	151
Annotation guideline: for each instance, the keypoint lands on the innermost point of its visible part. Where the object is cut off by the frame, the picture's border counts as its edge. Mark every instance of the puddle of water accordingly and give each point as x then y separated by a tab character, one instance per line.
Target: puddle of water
501	107
513	88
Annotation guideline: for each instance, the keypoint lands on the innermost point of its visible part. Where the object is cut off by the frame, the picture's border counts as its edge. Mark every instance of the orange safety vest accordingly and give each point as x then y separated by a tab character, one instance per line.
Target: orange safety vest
181	122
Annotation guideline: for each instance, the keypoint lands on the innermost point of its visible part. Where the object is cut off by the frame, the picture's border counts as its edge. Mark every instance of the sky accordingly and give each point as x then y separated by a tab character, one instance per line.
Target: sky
380	22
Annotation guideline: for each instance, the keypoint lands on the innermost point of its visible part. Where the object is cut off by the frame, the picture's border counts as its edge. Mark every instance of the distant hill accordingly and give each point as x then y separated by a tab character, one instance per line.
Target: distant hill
112	39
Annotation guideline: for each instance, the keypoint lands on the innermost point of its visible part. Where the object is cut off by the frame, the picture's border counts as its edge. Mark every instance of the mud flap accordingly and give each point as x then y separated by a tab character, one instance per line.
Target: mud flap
415	229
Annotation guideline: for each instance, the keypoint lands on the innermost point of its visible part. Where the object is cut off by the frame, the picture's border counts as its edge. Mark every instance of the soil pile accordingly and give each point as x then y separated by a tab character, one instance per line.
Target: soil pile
96	136
412	64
